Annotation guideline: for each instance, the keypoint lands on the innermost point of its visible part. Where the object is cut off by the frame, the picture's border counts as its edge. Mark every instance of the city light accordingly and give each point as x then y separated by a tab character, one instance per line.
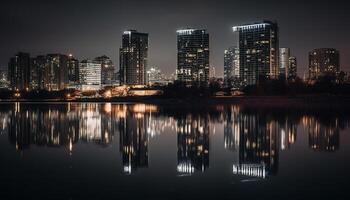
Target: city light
248	27
108	94
17	94
185	31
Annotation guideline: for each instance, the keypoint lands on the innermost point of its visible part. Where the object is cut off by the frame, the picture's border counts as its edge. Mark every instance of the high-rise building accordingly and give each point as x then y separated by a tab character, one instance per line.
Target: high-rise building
57	71
284	56
258	51
133	58
19	71
231	65
292	71
3	79
325	61
193	56
49	72
73	71
39	73
107	70
89	75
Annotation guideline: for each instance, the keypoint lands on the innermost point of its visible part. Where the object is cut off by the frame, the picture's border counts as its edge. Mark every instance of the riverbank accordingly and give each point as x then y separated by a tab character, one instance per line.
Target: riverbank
306	100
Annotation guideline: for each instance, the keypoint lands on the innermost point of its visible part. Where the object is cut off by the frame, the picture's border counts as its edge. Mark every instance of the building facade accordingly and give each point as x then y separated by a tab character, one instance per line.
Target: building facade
49	72
133	58
89	75
284	55
19	71
231	65
292	71
39	73
73	71
259	51
324	61
3	79
57	71
107	70
193	56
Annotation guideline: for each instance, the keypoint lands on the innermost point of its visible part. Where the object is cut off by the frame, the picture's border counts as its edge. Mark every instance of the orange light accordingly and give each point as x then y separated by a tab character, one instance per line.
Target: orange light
17	94
108	94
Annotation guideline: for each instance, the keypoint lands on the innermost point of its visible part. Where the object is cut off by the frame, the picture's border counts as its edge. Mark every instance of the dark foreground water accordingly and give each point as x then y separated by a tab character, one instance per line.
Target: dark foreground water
138	151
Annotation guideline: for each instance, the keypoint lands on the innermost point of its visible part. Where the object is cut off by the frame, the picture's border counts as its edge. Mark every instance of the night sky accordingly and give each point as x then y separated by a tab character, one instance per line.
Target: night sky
92	28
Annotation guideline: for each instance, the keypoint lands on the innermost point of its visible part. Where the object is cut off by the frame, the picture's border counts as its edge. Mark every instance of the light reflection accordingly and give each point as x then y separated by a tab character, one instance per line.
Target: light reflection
193	144
258	137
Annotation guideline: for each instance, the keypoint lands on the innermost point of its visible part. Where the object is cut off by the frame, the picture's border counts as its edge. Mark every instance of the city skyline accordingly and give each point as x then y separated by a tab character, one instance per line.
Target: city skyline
184	99
111	19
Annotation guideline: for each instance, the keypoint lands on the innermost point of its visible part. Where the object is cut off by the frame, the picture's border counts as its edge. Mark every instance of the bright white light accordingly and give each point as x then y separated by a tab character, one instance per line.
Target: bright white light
251	26
127	169
256	170
127	32
185	31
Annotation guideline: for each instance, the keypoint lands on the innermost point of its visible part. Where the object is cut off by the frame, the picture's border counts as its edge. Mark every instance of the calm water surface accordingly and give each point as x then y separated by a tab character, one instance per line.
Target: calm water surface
139	151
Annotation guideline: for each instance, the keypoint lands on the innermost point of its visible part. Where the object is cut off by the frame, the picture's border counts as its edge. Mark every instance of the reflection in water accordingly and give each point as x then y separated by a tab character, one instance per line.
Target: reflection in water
133	138
258	145
231	129
288	134
322	137
193	144
257	135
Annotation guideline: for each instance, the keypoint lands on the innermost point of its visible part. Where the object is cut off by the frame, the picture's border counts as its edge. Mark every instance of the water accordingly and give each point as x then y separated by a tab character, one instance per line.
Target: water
138	151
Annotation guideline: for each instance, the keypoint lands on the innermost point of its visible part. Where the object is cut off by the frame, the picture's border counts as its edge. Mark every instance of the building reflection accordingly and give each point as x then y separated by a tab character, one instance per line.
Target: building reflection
288	133
192	144
322	137
232	128
134	137
59	125
258	146
257	136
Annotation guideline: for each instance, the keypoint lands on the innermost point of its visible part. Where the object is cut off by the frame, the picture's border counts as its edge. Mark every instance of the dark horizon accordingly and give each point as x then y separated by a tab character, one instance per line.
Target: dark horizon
91	29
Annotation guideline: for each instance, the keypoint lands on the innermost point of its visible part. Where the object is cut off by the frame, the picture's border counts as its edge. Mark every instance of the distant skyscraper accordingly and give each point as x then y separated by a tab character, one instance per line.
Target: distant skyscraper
325	61
284	62
133	58
193	56
40	73
19	71
292	71
89	75
3	79
231	65
107	70
258	46
73	71
155	77
57	71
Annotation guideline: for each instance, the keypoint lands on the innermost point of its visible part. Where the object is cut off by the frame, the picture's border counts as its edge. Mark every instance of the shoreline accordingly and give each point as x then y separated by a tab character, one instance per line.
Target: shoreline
305	100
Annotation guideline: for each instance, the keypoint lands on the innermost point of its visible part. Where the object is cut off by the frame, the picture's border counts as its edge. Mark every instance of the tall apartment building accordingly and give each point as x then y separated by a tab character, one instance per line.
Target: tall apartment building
259	51
193	56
